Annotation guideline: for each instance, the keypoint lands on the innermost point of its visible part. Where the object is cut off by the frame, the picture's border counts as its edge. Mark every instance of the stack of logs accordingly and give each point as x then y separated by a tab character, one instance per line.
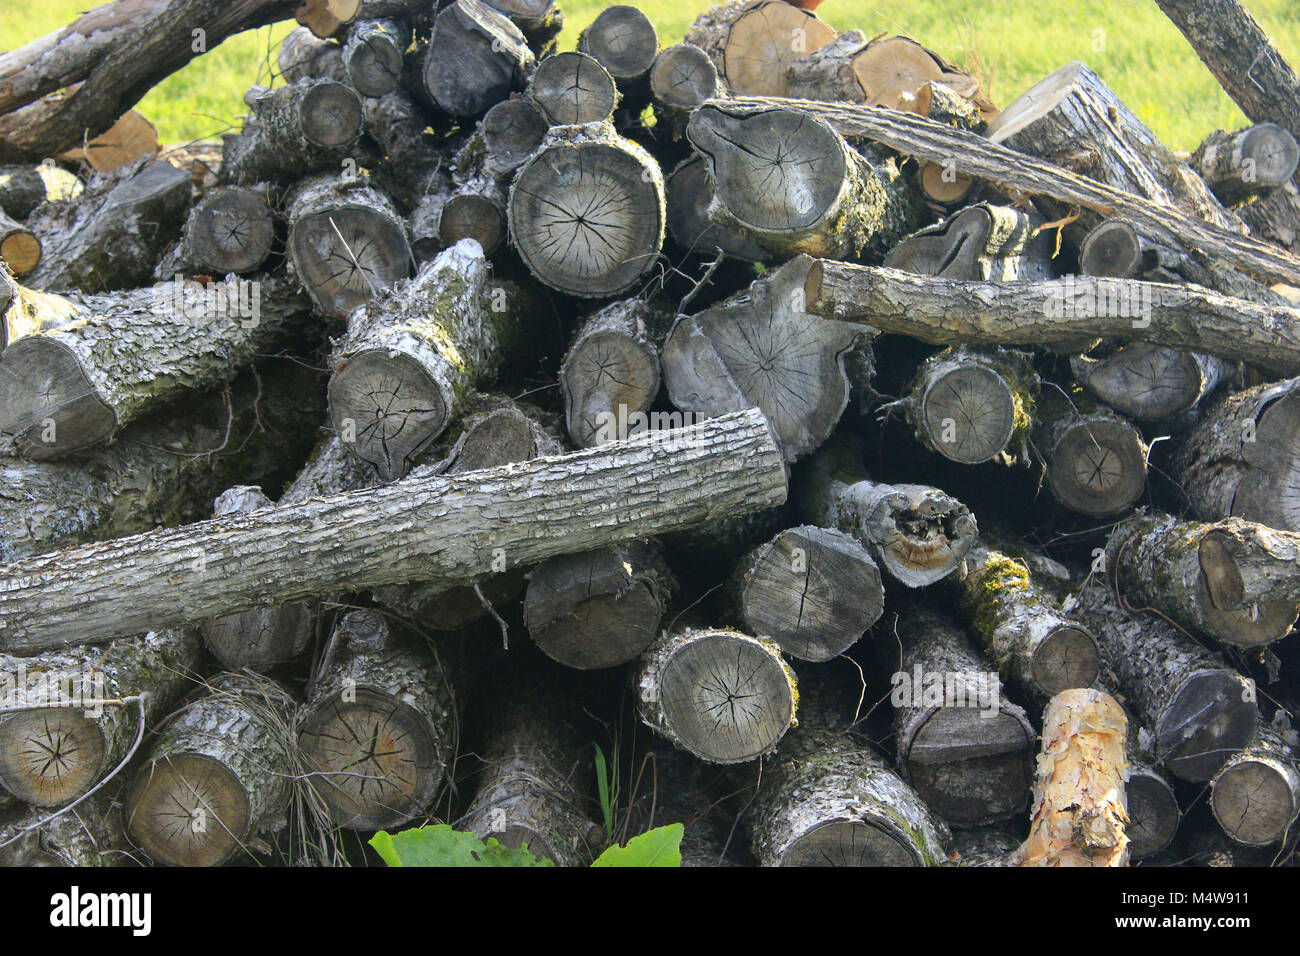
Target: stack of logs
485	402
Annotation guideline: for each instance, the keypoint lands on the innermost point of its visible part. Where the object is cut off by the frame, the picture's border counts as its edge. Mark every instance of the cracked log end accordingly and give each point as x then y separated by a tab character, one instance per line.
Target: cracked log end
1256	796
573	88
394	406
1211	715
1153	812
46	402
50	756
1221	595
922	534
1066	658
188	810
622	40
683	77
1098	467
231	231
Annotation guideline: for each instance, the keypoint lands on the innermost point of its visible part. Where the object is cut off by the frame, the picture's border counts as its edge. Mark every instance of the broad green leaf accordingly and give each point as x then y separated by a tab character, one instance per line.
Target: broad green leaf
661	846
440	845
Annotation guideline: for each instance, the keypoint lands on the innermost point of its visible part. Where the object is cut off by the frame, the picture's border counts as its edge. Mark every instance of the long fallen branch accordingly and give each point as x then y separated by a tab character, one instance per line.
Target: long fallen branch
953	312
452	529
973	155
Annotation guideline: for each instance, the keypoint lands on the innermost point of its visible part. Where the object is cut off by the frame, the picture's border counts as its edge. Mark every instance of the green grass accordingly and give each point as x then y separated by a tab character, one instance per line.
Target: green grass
1015	42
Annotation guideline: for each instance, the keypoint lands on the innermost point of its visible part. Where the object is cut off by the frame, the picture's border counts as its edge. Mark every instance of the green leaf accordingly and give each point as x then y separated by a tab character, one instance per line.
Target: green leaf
602	786
661	846
440	845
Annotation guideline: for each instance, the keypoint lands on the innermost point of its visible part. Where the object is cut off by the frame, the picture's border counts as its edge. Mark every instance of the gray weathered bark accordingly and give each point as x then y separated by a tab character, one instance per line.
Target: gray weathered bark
24	188
981	242
1151	382
299	128
1239	164
475	58
303	55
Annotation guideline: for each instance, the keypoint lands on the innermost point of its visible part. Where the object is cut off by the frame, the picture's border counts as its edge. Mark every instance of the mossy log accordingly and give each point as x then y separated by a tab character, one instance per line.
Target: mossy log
975	405
1200	710
598	608
66	743
1231	580
217	774
475	58
302	127
24	188
963	747
1151	382
1256	795
753	42
828	799
1240	164
70	385
722	695
815	591
378	730
788	181
1078	817
1096	460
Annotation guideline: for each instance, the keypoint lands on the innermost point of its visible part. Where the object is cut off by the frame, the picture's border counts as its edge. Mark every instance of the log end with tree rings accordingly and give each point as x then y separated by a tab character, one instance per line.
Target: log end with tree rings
587	213
20	248
763	41
1150	382
573	88
813	590
1220	593
1274	154
724	696
469	215
1153	812
1210	715
944	185
1256	796
373	55
690	193
623	40
1066	658
610	374
894	72
46	403
512	131
330	115
325	18
683	77
475	58
50	756
232	230
1097	467
188	810
968	412
1112	249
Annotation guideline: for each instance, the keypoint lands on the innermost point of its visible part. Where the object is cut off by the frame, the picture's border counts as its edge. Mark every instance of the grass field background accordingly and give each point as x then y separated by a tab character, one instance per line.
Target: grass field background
1009	43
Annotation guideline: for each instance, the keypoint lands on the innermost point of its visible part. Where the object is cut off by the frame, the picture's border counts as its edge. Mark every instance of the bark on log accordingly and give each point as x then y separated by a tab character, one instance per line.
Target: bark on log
1036	646
1096	460
90	835
753	42
760	348
963	747
164	470
1242	460
66	743
981	242
110	236
1239	164
987	846
974	406
67	388
538	20
373	55
217	774
829	800
1256	796
299	128
1018	173
409	358
378	730
622	40
690	195
116	53
814	591
476	58
303	56
1151	382
1231	580
681	79
918	534
599	608
722	695
414	166
386	535
792	184
586	211
1079	817
346	243
24	188
233	229
573	88
1200	709
1276	217
949	312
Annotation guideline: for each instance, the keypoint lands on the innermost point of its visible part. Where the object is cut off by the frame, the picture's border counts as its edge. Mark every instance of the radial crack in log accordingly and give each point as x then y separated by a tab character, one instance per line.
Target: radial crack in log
753	42
1256	796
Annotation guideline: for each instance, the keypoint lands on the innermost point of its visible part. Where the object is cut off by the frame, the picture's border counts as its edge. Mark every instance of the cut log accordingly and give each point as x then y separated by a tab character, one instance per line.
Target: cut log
573	88
69	739
981	242
373	55
1256	796
512	130
217	774
828	73
814	591
233	229
538	20
1151	382
610	375
111	236
690	195
622	40
987	846
1249	162
299	128
536	772
413	165
410	356
304	56
326	17
166	469
753	42
1152	806
1036	646
476	58
1231	580
792	184
722	695
1078	817
760	348
24	188
682	78
89	835
1276	217
587	211
599	608
1016	172
378	730
829	800
1096	460
436	528
918	534
951	312
1243	459
347	243
67	388
20	248
973	406
966	750
1200	709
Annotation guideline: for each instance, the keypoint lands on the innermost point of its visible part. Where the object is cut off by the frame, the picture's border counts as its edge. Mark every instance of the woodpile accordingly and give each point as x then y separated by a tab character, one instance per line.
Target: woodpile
904	480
